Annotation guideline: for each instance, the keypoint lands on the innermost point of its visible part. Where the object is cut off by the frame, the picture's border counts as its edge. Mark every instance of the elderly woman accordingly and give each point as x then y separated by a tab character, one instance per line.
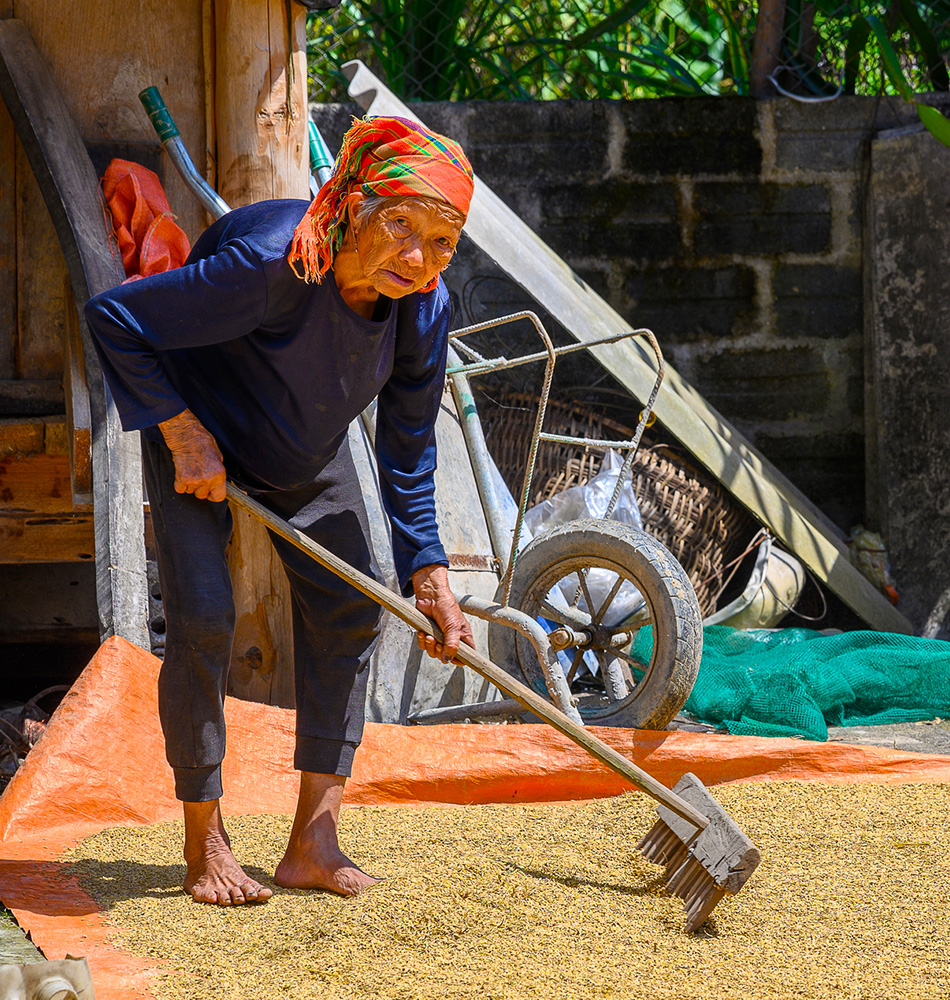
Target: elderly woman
249	362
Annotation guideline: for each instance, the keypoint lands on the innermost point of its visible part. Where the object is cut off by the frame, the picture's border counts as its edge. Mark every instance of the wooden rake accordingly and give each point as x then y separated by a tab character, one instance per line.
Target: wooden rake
705	853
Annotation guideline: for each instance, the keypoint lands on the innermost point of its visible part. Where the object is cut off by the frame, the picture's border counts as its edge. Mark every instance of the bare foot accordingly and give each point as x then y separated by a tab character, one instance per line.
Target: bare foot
313	859
213	875
315	869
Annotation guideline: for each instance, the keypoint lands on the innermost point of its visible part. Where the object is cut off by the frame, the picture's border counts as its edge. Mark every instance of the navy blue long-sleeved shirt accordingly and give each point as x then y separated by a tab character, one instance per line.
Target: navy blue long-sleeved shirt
276	368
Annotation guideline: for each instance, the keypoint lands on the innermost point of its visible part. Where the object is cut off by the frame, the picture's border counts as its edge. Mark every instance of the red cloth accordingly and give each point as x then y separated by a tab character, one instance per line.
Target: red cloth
149	238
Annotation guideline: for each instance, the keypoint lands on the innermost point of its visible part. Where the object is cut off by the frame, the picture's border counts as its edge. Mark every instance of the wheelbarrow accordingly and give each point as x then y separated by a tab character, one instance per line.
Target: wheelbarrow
581	591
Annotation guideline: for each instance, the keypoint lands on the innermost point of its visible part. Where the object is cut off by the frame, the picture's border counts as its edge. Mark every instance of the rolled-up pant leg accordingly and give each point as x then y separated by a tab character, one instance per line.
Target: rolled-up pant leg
191	536
335	626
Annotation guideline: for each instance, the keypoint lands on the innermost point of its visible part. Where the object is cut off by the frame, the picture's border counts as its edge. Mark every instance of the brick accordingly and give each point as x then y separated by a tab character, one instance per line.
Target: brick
841	115
691	136
760	385
684	304
538	141
748	218
818	300
828	468
611	219
821	150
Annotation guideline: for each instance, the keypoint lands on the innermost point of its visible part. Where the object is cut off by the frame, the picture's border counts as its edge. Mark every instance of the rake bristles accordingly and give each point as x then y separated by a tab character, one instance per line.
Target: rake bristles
701	866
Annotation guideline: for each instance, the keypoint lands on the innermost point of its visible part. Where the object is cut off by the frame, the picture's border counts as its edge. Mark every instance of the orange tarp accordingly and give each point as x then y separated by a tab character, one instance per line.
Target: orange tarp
101	763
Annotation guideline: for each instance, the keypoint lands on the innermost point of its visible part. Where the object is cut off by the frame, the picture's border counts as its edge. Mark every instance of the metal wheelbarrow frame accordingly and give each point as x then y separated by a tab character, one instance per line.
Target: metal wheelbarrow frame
517	640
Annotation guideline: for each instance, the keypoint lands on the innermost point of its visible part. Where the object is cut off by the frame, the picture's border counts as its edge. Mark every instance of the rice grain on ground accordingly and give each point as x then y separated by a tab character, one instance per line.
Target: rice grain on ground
549	901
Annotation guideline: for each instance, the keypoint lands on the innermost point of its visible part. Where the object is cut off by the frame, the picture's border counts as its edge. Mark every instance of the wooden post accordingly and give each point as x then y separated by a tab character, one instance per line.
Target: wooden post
766	46
260	100
260	124
8	274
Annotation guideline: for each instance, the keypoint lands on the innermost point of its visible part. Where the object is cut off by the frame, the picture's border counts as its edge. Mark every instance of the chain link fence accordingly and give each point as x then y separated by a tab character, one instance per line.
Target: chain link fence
553	49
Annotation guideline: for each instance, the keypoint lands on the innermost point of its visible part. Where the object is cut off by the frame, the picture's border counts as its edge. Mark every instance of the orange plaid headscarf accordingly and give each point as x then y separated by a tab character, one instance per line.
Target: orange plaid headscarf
382	156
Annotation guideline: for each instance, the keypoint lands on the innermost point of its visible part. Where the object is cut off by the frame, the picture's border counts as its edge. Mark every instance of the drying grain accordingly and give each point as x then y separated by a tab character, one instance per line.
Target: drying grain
552	901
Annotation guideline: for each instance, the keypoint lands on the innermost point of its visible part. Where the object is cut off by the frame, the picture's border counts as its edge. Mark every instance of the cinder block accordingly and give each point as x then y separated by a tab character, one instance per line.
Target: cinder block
612	219
750	218
539	141
828	467
685	304
762	385
691	136
830	151
816	300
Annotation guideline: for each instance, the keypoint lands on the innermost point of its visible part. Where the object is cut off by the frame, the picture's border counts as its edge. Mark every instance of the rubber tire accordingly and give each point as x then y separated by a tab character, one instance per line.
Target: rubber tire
676	618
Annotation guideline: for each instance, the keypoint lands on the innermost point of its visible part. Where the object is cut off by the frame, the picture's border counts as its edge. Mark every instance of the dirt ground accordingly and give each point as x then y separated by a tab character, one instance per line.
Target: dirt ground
919	737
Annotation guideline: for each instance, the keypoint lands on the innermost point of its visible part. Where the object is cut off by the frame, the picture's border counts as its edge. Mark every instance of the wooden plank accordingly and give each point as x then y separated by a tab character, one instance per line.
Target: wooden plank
21	437
37	483
41	274
260	112
8	281
31	397
78	407
34	435
744	471
42	601
46	538
262	666
69	186
99	69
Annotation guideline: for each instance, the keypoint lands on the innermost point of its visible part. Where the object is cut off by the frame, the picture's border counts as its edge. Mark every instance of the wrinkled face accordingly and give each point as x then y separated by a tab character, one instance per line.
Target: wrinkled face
405	243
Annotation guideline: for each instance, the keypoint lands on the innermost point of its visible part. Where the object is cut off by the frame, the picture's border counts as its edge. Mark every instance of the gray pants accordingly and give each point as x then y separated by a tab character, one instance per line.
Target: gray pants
335	627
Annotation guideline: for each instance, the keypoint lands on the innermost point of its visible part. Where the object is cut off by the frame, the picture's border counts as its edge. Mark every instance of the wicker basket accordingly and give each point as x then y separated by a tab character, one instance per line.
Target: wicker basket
686	509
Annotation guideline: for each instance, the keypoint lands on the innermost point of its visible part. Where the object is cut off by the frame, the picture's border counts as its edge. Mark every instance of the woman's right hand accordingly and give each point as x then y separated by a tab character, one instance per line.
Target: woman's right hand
199	466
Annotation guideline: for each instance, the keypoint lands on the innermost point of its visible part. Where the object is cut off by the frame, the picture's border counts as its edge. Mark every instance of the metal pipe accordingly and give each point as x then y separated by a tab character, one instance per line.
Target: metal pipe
459	713
321	160
554	679
481	465
170	138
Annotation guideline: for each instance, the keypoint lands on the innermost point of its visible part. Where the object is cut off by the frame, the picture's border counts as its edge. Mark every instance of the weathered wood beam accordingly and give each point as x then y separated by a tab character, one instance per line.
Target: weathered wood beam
709	438
47	538
22	397
260	126
70	189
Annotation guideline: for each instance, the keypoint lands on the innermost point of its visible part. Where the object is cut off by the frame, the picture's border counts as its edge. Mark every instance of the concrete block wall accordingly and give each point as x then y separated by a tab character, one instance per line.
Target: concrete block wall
733	228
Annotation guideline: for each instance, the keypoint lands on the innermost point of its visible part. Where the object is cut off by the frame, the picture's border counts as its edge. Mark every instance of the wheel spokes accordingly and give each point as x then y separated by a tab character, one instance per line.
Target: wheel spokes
614	590
582	575
572	617
615	684
575	663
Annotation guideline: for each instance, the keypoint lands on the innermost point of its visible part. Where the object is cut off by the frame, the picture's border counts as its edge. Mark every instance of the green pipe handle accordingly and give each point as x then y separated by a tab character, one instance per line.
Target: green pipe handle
158	114
320	156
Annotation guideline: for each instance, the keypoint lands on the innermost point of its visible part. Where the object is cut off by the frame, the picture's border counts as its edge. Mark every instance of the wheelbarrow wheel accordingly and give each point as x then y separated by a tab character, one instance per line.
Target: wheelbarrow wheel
585	575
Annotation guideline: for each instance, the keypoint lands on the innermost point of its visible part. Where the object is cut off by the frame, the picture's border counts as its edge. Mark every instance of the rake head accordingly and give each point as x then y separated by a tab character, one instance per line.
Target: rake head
701	867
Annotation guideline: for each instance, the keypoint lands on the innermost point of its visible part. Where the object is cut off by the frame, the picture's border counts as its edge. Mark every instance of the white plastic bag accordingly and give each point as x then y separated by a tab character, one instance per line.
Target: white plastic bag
591	500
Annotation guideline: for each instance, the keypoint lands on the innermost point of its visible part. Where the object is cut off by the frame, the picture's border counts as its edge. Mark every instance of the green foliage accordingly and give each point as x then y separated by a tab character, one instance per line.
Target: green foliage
429	50
546	49
934	121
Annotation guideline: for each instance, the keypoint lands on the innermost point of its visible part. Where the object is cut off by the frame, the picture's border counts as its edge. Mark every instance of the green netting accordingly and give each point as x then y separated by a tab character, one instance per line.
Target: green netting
797	682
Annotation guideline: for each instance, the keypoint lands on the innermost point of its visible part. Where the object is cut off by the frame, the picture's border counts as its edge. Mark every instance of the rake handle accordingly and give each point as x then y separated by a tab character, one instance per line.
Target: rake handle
525	697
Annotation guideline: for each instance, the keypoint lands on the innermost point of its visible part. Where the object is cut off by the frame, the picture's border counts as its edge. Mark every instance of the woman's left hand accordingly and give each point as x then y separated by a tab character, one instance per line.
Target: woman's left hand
435	599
